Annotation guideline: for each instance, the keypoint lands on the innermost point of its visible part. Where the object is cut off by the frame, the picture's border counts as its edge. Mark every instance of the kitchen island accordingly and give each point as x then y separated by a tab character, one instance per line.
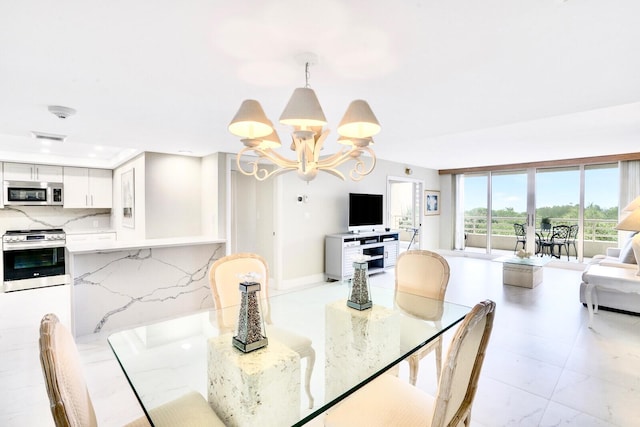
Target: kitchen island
117	284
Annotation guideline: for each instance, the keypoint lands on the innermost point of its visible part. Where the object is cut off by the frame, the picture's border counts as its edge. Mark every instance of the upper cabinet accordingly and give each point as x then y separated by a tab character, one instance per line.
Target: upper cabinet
31	172
88	188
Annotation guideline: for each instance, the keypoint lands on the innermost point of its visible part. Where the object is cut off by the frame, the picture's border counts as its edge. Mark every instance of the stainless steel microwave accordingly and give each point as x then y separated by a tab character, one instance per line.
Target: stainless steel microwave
27	193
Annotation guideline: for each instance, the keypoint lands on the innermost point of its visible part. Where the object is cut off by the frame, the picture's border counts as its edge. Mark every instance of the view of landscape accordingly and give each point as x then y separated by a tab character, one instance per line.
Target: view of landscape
557	198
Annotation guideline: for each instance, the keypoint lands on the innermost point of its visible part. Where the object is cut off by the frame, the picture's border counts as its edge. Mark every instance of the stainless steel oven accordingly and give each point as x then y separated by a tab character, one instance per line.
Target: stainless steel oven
33	259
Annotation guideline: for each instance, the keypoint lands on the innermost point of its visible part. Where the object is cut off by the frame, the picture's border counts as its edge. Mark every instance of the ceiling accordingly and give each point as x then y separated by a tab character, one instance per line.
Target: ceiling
460	83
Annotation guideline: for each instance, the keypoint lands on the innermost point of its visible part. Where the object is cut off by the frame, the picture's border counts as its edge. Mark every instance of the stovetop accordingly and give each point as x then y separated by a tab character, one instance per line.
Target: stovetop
55	235
30	232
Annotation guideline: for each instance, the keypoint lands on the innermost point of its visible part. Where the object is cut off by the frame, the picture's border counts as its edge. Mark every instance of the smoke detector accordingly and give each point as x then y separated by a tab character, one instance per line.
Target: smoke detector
43	136
61	112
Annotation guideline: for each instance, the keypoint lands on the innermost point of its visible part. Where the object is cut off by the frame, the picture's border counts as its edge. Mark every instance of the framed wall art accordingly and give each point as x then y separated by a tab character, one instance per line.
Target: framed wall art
431	202
127	180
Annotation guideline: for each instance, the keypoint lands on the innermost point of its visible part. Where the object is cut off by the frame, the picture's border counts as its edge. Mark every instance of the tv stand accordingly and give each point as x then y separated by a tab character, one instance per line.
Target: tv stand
340	251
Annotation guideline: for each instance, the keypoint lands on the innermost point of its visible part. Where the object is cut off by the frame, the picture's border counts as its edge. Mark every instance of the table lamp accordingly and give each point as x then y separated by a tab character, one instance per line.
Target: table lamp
631	222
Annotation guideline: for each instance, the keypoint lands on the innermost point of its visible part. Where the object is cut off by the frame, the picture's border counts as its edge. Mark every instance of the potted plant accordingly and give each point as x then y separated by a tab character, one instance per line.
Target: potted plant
545	224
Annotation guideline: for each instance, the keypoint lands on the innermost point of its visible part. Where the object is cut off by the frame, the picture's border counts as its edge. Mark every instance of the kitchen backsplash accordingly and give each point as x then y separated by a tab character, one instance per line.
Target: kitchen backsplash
39	217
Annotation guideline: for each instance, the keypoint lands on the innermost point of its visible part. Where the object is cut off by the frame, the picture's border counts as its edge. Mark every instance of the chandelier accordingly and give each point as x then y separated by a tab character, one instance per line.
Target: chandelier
304	114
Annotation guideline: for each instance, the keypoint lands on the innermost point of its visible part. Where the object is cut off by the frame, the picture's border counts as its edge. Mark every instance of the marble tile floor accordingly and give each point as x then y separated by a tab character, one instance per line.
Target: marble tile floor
544	367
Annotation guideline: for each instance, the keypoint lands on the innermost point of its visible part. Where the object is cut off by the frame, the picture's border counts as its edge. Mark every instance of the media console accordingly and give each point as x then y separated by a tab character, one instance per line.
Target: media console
340	251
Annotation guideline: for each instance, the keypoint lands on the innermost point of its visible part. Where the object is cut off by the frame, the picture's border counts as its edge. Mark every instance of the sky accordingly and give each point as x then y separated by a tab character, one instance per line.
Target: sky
553	188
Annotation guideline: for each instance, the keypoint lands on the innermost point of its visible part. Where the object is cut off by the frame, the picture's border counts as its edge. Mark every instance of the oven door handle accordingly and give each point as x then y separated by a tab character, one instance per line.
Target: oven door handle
16	246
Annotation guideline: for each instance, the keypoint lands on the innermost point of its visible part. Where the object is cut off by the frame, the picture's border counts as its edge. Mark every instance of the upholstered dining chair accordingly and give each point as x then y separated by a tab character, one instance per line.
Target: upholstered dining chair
69	397
224	277
389	401
423	273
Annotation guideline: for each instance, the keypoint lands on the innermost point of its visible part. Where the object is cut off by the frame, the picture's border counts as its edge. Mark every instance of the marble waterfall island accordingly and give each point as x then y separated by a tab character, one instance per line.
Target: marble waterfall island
117	284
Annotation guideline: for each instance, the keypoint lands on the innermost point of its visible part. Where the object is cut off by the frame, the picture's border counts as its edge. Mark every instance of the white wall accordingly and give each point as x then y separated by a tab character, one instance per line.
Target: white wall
210	196
173	195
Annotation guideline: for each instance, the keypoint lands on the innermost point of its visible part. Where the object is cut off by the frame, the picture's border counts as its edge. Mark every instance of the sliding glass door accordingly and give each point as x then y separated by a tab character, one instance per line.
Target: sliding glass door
475	202
509	210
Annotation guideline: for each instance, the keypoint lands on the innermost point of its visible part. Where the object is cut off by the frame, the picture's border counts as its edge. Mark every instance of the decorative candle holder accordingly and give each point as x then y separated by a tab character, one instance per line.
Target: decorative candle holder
251	332
359	291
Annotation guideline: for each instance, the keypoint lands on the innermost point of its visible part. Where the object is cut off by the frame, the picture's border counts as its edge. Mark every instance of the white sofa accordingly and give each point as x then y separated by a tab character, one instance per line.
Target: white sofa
611	299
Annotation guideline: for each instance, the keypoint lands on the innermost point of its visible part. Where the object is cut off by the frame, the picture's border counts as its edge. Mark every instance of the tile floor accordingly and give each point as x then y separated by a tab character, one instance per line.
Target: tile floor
544	367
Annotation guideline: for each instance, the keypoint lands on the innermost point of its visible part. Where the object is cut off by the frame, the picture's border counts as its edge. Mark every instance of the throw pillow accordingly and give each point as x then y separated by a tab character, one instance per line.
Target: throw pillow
626	254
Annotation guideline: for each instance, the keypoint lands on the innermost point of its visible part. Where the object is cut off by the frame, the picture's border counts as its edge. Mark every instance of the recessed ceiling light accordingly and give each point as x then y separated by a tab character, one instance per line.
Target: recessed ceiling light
98	148
92	154
185	152
45	150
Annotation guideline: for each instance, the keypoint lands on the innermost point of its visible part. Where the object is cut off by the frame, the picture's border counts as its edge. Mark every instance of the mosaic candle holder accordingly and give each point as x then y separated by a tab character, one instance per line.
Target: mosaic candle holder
359	291
251	332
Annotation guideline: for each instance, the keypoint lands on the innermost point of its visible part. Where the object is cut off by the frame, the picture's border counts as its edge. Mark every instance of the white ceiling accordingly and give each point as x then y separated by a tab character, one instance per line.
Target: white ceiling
455	83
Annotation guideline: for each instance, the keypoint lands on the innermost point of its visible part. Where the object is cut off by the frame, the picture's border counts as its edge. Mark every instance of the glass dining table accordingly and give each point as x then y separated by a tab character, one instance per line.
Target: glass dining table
194	352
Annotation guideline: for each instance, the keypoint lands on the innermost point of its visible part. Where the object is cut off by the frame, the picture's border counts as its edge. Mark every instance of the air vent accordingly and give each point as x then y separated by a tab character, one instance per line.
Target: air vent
43	136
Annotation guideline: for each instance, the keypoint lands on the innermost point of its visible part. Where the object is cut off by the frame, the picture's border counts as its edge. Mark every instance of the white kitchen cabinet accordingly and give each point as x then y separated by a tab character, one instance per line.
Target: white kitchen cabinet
88	188
32	172
91	237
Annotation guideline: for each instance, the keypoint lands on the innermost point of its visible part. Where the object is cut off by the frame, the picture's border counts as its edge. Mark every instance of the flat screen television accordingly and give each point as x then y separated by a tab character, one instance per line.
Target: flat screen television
365	212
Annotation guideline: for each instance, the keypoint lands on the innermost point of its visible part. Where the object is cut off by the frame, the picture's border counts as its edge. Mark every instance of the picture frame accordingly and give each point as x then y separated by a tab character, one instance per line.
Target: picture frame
431	202
127	185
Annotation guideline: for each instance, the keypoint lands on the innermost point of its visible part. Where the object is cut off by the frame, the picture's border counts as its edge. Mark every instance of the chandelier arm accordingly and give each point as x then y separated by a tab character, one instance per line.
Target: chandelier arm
359	170
319	144
334	172
336	159
259	173
277	158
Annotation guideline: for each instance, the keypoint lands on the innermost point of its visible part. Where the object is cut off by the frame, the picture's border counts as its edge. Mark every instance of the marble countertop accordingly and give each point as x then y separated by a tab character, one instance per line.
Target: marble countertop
119	245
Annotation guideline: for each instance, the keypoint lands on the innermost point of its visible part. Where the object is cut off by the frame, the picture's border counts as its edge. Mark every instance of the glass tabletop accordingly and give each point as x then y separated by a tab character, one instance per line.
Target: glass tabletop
165	360
533	261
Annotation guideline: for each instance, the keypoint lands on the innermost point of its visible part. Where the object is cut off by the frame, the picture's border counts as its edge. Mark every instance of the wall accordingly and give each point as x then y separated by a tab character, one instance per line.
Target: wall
172	196
302	227
447	211
210	198
168	194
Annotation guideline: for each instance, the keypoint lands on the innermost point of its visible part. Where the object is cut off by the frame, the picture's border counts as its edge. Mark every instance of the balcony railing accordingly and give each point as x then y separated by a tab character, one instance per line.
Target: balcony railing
598	234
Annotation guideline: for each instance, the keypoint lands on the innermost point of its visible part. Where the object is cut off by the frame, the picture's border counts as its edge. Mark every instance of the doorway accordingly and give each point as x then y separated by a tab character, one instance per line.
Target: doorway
404	210
252	217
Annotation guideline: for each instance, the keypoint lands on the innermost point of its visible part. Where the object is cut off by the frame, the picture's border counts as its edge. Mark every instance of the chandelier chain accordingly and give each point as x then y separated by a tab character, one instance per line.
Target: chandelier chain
307	75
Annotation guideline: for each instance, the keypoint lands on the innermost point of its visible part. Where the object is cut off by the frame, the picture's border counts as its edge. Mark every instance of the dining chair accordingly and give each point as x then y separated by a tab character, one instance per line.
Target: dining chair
573	236
69	397
224	277
390	401
560	239
423	273
521	236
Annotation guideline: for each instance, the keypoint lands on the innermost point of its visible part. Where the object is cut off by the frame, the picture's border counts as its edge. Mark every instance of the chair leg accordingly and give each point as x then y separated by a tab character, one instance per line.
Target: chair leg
311	360
439	359
414	364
